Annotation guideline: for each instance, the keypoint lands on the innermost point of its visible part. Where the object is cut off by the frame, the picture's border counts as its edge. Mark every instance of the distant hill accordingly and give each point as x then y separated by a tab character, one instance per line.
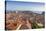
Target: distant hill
25	12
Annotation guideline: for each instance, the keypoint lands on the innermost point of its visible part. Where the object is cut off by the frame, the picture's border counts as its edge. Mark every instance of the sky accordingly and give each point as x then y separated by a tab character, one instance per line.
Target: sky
20	5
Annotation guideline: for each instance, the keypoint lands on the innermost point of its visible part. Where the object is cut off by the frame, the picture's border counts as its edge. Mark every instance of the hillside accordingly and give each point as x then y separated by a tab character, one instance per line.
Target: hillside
24	20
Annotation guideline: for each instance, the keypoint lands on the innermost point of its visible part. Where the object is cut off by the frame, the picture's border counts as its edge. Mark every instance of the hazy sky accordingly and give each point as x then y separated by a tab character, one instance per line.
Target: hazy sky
18	5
